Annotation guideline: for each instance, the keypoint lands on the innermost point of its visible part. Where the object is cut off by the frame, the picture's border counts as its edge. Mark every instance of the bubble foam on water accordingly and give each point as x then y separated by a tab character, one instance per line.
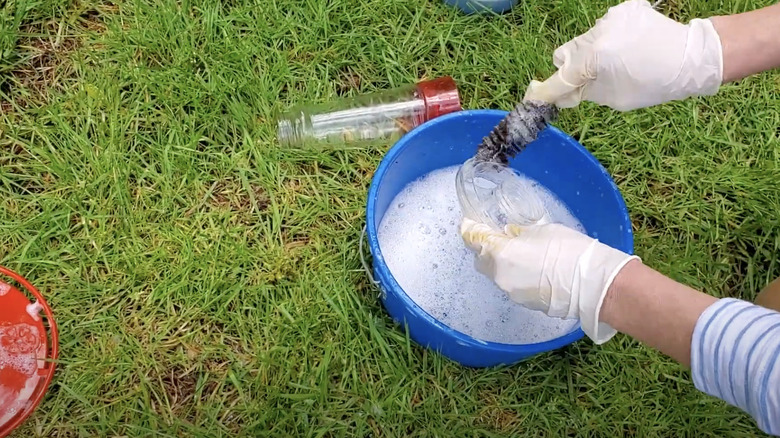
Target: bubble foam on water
19	345
437	271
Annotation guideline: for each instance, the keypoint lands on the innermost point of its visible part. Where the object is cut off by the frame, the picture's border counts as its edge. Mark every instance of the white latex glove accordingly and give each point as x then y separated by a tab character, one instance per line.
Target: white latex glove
551	268
634	57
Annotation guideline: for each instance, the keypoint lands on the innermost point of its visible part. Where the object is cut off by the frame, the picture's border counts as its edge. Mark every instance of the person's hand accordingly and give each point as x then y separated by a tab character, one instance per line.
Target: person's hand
551	268
634	57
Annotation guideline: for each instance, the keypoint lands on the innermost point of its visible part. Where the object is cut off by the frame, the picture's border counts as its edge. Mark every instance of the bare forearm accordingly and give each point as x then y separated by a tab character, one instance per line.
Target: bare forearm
654	309
751	42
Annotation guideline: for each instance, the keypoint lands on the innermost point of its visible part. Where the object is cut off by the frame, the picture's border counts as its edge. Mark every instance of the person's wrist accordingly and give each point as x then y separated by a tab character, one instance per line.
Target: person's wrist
605	263
609	313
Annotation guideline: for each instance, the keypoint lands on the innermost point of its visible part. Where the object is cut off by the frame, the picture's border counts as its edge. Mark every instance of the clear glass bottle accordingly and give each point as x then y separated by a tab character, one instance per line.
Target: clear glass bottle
382	115
495	195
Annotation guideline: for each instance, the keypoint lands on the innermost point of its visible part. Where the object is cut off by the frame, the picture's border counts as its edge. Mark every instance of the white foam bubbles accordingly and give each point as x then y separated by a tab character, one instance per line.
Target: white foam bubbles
422	247
19	351
19	345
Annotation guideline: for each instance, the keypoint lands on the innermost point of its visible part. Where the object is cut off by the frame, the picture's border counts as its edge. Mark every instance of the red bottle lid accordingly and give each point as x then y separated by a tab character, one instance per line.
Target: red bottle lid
28	346
440	96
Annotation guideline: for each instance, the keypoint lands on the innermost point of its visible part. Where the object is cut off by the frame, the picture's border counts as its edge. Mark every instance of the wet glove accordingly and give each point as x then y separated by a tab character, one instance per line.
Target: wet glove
634	57
551	268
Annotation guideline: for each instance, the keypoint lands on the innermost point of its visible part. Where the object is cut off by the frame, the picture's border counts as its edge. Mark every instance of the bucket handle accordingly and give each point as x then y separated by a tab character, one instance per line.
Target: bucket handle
365	264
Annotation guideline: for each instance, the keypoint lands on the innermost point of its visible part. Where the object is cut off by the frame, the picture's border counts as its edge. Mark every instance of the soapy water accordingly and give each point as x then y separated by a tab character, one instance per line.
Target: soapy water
420	242
20	346
13	402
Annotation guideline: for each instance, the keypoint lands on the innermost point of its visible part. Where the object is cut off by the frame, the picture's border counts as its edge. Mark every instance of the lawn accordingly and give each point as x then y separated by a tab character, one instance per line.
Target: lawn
207	281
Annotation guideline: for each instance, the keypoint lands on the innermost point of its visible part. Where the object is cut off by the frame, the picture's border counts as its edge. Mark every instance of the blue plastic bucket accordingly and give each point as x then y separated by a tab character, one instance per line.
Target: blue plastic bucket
478	6
556	160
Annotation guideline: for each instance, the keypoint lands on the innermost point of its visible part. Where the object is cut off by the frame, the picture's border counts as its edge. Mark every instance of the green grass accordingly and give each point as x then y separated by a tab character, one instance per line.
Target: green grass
207	282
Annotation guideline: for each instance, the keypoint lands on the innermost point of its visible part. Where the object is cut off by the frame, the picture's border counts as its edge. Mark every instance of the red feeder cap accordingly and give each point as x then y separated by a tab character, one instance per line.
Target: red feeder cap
440	96
25	372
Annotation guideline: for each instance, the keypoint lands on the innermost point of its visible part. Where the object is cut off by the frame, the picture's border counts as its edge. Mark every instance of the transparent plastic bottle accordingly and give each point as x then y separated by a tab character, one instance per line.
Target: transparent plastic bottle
381	115
495	195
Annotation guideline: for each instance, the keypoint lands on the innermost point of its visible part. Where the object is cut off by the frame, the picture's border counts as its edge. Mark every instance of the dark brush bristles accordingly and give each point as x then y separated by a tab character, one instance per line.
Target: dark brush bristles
520	127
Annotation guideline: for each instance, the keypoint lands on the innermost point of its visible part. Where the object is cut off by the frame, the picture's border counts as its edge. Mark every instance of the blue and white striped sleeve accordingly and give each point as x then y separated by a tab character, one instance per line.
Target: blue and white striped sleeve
735	356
